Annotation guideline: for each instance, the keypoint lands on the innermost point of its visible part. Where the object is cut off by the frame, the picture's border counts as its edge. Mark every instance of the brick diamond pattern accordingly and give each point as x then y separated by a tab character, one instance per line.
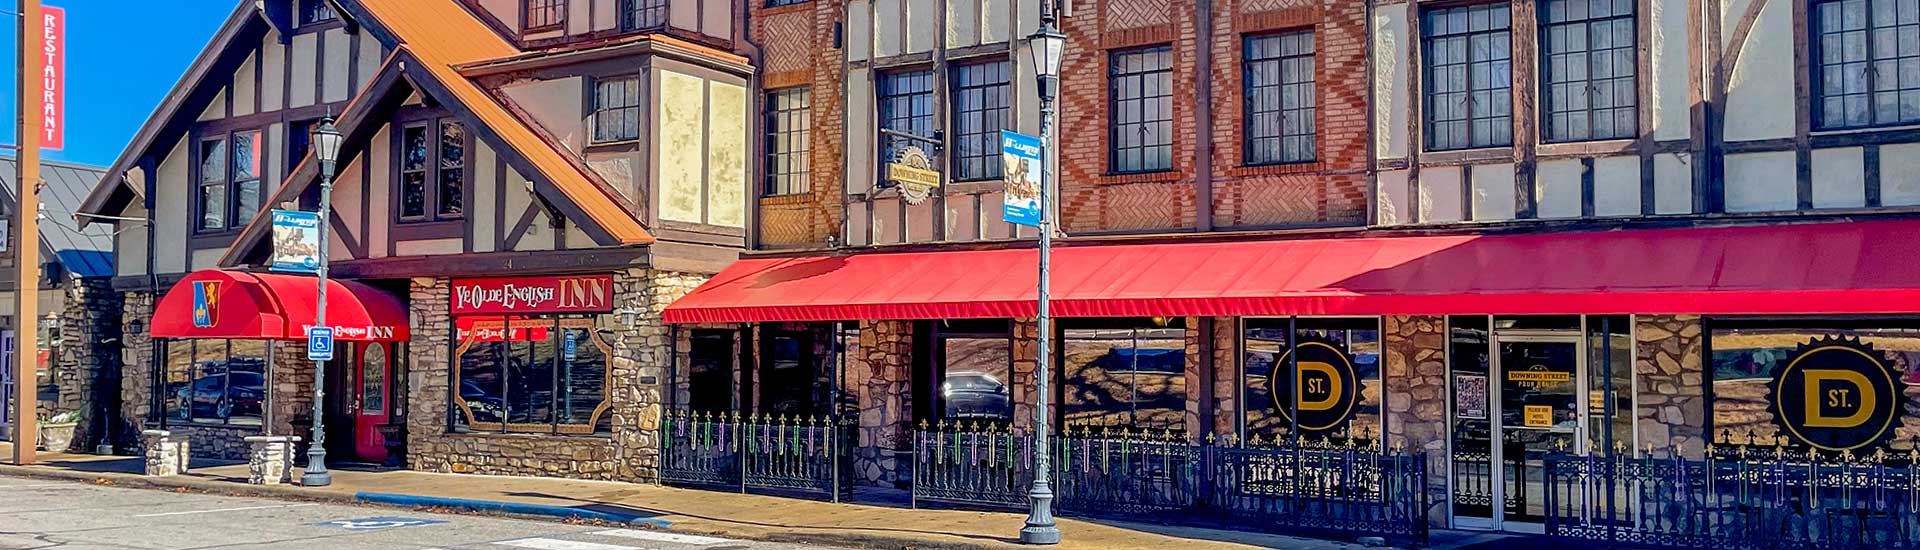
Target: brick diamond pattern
789	41
1133	14
1260	6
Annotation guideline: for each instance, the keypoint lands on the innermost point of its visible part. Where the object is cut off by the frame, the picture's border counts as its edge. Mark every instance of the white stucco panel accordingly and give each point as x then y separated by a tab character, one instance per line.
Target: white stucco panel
1900	174
273	73
304	61
1616	186
889	20
1839	178
1673	183
171	213
963	24
1390	81
1557	189
338	63
1493	192
1761	182
1392	203
1440	195
1760	96
859	29
1669	78
244	87
923	30
859	130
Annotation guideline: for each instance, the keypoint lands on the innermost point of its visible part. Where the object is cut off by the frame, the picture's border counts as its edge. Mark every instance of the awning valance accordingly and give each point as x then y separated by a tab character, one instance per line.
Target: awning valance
237	304
1820	268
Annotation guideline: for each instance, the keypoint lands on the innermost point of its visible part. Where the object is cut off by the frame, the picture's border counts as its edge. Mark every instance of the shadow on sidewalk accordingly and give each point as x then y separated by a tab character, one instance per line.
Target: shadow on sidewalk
601	506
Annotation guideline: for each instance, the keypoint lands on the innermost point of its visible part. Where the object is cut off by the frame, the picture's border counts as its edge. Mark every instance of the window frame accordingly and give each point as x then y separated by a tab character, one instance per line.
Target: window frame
780	3
1114	126
798	178
1065	373
460	418
630	11
1001	330
1248	110
1817	80
1429	71
554	10
1631	105
989	132
431	199
162	402
882	97
595	110
232	220
321	10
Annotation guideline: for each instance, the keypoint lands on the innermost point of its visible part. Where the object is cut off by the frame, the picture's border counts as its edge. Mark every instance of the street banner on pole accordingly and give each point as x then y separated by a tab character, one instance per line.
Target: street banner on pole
296	241
53	76
1020	158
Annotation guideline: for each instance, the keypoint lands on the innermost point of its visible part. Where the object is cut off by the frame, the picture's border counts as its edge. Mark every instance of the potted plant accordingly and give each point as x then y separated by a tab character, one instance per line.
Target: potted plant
56	434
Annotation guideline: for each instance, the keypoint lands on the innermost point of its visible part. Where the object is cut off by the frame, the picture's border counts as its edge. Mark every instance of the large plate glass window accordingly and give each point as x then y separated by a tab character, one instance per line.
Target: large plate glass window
532	375
1124	374
1312	379
222	382
1833	399
975	361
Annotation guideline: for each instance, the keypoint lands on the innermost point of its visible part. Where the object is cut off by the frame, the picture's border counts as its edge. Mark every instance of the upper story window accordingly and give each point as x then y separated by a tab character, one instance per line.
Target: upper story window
979	113
433	176
906	105
642	14
778	3
1280	98
1588	61
316	11
616	109
1140	100
541	15
1469	77
1867	63
229	191
788	120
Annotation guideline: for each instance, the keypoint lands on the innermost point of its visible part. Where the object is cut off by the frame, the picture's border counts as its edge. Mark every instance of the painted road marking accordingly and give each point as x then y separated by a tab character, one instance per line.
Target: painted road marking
374	524
243	508
556	544
657	536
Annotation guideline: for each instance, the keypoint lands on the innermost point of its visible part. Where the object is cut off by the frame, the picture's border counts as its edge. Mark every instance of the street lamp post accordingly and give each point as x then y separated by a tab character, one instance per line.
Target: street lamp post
1045	46
326	149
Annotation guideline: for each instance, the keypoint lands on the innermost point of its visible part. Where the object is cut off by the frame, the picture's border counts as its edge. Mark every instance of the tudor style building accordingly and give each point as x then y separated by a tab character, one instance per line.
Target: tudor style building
520	190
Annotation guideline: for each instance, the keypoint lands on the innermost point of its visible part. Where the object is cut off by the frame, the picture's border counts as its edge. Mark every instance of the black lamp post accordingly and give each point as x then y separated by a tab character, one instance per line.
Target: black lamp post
326	149
1045	45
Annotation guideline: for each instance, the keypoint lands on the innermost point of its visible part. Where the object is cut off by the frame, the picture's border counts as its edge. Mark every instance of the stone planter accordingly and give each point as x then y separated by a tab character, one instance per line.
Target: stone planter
56	438
271	460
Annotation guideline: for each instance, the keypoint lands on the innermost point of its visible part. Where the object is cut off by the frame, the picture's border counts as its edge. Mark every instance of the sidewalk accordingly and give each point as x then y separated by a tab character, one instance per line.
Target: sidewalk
688	511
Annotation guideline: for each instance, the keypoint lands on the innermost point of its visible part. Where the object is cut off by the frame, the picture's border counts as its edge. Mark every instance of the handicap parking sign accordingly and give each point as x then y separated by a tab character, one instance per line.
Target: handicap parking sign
375	524
320	344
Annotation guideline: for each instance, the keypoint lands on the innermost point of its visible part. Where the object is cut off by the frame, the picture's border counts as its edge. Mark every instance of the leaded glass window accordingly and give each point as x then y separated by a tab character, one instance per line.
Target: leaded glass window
1468	55
1140	98
1588	61
1280	98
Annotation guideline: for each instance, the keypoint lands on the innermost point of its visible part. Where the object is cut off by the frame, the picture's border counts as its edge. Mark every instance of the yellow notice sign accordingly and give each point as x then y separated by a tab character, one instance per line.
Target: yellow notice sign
1537	416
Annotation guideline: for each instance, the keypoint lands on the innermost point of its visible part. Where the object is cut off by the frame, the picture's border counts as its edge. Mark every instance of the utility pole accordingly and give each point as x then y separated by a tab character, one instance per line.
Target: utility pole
26	232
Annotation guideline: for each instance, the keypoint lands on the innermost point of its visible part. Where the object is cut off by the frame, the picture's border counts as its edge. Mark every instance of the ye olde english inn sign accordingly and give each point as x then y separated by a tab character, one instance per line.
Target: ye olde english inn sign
552	294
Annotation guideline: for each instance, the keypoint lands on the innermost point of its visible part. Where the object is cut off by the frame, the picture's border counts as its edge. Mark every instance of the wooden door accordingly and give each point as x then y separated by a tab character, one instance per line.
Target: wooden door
372	376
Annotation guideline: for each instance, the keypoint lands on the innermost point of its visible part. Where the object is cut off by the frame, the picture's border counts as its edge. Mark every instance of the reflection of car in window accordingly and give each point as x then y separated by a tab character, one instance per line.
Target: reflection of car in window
486	406
223	395
975	395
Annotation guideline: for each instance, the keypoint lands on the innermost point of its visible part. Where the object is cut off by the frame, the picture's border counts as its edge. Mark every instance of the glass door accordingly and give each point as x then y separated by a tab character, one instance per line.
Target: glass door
1540	412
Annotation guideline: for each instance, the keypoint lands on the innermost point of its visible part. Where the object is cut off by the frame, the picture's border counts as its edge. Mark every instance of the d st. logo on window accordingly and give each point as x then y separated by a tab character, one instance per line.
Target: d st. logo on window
1836	394
1327	384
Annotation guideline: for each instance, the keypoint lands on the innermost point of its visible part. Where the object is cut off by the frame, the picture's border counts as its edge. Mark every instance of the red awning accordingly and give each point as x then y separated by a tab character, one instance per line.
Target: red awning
236	304
1825	268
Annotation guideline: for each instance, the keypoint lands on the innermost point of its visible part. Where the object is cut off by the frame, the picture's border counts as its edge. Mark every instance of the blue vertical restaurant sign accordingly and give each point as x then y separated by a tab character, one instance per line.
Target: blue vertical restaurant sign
296	241
1020	157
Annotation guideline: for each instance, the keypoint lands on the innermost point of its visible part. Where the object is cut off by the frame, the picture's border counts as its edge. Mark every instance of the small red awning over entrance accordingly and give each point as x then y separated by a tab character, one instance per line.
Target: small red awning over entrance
237	304
1823	268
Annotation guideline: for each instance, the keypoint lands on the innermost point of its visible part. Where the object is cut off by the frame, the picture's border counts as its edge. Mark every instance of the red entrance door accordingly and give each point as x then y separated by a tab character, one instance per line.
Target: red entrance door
372	400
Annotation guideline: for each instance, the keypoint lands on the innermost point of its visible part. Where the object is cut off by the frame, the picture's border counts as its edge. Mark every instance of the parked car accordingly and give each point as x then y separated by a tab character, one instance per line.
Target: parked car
237	393
975	395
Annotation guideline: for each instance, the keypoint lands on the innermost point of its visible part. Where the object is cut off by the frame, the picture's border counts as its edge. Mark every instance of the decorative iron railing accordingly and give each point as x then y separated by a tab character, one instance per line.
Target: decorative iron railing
1165	477
1740	497
768	453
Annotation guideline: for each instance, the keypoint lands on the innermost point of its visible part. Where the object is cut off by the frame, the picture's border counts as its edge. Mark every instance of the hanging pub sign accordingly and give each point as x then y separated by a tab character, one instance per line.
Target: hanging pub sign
912	170
1328	386
1020	159
296	241
1835	395
549	294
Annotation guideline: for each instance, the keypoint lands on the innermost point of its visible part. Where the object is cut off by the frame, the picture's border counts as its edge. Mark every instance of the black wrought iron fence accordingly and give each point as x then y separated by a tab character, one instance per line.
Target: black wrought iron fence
1741	497
1165	477
779	454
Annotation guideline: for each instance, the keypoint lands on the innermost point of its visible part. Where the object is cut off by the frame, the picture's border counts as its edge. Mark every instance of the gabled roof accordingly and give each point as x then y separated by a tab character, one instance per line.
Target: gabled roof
88	251
434	36
182	101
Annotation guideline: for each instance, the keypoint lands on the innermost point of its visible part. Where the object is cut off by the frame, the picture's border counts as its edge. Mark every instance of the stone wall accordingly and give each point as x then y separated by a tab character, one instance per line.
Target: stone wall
1416	380
86	361
639	361
1672	405
290	389
1026	357
1226	376
879	374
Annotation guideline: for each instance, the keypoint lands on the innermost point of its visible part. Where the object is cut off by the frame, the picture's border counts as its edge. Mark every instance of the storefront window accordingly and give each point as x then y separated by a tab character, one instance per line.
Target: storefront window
1124	373
540	375
1828	384
214	381
710	359
976	360
1337	374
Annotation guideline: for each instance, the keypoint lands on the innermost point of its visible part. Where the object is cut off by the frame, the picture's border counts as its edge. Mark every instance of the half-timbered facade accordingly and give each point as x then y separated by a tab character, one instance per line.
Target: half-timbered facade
519	190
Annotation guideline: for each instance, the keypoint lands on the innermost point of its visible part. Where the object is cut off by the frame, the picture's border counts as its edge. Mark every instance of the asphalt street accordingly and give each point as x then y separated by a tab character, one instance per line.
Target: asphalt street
41	514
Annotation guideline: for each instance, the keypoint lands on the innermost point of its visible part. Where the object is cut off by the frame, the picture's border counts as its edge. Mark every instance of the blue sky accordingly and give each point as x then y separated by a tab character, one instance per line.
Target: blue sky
122	58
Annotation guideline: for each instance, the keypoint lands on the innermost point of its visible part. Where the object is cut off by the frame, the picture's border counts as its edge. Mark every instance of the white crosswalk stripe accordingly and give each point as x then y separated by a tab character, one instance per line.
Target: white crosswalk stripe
540	543
657	536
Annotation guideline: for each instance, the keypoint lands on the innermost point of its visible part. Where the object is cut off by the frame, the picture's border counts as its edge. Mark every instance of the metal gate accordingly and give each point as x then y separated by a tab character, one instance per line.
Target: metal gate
6	385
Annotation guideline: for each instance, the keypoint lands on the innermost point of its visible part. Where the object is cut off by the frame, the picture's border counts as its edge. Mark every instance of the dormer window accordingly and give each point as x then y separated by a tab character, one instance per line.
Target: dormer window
544	15
642	14
315	12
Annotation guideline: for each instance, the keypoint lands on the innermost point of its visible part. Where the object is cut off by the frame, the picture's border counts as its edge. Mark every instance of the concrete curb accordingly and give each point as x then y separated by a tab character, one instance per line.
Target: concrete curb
517	508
